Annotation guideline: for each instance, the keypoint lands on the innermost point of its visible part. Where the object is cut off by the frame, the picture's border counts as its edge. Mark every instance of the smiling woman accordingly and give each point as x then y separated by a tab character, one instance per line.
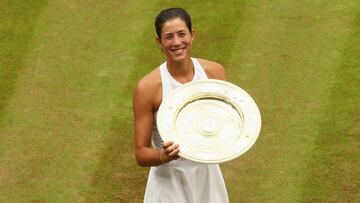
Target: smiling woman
172	178
176	40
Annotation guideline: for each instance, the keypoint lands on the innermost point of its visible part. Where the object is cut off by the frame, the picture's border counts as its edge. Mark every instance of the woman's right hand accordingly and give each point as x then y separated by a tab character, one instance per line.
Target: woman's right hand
170	151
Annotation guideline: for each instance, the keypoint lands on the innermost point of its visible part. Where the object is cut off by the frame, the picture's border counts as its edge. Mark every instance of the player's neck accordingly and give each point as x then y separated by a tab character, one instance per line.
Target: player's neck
180	68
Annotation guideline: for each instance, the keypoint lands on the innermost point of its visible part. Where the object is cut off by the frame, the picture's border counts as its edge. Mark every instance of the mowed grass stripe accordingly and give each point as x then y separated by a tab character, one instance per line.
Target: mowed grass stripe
334	168
16	33
117	177
286	57
63	102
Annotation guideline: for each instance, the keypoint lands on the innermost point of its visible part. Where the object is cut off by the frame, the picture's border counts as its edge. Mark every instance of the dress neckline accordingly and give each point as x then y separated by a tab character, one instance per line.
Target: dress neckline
177	82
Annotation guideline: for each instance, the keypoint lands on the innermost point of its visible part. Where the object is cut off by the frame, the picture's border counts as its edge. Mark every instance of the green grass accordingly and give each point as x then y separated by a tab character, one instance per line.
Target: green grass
68	68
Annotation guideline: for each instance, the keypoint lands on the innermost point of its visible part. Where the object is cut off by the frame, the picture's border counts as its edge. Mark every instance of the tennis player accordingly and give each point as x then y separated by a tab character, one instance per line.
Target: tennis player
172	179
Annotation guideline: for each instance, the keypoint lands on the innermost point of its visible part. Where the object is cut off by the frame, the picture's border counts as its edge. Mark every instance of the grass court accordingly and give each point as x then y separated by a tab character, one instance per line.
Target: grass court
68	70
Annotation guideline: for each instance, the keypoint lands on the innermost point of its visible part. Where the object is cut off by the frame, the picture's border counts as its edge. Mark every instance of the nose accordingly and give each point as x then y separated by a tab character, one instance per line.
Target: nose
177	40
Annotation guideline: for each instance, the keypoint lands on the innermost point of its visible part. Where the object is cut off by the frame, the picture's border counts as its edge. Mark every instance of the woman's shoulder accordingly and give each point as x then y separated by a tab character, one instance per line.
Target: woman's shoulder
213	69
150	83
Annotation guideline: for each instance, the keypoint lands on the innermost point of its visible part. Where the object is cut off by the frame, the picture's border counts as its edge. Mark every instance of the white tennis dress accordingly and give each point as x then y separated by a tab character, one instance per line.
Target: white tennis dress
183	181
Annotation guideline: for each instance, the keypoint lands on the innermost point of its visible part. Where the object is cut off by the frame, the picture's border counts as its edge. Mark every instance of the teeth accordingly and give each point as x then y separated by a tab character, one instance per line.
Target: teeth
179	51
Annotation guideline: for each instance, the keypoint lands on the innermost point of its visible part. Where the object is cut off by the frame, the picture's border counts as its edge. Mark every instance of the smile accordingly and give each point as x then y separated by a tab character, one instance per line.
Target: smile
178	51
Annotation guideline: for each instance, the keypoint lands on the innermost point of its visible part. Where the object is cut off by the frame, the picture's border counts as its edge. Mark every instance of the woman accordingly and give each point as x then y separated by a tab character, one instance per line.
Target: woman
172	179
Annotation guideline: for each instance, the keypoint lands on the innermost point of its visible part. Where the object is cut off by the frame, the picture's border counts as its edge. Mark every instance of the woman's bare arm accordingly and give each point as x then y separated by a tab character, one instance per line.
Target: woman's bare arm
143	117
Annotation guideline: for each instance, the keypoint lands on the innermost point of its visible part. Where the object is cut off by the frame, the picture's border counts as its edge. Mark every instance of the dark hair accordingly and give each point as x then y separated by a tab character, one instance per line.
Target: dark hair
170	14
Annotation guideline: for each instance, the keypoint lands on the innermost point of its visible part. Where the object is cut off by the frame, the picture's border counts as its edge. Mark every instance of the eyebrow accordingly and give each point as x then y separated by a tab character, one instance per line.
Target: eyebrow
170	33
181	31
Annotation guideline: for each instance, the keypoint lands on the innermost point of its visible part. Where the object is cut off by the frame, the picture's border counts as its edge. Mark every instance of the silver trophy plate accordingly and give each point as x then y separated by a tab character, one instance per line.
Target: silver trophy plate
213	121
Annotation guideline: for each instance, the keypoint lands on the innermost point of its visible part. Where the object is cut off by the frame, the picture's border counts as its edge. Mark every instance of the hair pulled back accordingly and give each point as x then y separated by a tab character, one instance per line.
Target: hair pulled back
170	14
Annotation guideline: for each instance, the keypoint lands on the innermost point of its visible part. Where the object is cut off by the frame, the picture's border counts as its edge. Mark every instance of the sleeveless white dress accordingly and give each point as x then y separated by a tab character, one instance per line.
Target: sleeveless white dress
183	181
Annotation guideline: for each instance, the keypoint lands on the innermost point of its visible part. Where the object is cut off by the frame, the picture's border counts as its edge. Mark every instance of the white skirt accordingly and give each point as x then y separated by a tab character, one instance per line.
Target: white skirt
183	181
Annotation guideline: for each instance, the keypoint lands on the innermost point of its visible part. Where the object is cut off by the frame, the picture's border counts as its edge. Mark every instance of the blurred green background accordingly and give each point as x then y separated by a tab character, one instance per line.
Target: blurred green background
68	70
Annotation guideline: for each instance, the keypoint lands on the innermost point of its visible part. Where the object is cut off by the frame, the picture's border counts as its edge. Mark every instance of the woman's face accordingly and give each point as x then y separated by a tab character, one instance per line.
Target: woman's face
176	40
